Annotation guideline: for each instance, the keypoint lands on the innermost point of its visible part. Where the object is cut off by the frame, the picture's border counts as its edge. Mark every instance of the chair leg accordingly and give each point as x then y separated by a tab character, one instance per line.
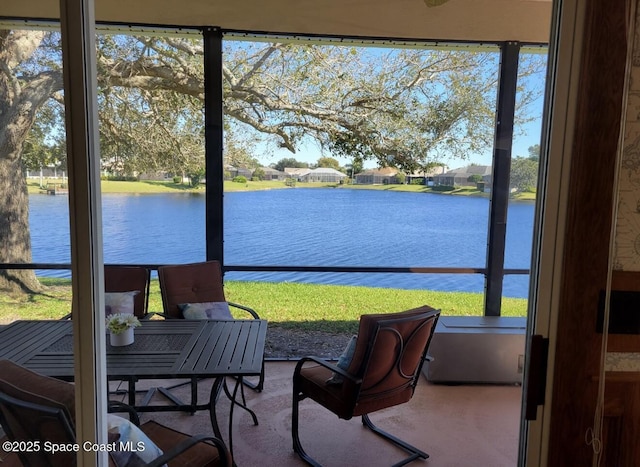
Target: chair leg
295	417
414	451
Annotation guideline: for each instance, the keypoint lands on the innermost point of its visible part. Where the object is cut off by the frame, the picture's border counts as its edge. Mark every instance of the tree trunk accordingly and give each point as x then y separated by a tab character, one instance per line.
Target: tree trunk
21	96
14	229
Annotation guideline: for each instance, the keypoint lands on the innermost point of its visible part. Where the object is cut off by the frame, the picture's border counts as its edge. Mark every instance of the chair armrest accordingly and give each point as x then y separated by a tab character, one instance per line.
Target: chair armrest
181	447
117	406
67	316
245	308
326	364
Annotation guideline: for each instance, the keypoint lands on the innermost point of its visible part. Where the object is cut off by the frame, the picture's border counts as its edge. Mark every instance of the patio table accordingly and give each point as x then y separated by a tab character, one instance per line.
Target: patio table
163	349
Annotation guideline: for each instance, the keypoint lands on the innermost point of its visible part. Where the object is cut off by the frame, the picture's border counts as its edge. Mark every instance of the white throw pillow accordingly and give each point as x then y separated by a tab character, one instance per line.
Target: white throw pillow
119	302
344	361
207	310
133	446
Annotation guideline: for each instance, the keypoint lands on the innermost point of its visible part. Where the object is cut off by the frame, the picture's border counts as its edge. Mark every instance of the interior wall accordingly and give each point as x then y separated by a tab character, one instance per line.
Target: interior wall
621	411
626	265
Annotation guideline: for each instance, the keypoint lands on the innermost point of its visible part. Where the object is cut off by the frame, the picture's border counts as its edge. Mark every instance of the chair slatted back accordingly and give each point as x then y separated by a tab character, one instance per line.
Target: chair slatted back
190	283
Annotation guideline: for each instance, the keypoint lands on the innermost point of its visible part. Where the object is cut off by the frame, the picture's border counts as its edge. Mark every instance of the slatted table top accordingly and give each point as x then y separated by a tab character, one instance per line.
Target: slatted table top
162	349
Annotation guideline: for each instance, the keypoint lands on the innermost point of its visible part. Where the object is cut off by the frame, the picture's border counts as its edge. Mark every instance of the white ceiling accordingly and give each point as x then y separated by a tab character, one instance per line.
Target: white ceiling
465	20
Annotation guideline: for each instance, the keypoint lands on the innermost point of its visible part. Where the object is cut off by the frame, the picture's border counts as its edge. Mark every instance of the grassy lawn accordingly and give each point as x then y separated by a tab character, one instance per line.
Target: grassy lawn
154	186
329	308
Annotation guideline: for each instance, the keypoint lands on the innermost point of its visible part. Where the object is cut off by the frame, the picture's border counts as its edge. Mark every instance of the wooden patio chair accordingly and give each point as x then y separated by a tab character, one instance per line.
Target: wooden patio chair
36	409
197	283
387	358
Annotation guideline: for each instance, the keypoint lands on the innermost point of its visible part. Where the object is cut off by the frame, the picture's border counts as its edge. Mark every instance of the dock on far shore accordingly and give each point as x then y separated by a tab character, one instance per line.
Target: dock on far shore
56	188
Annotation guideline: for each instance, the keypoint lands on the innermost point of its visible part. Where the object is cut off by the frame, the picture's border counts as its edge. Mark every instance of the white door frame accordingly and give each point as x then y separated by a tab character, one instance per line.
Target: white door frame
563	76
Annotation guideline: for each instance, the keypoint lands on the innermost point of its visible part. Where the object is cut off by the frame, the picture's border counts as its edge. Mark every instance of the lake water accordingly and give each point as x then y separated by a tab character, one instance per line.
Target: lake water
302	227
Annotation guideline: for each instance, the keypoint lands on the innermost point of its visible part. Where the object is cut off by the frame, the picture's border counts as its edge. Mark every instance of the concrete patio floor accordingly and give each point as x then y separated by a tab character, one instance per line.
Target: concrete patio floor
458	425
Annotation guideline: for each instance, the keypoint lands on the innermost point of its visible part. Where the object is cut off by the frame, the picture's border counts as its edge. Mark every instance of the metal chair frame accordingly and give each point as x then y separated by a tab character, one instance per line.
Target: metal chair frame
58	415
170	314
382	325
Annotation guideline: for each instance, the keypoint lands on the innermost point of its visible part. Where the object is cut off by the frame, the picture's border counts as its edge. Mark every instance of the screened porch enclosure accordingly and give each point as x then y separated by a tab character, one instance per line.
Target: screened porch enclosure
489	265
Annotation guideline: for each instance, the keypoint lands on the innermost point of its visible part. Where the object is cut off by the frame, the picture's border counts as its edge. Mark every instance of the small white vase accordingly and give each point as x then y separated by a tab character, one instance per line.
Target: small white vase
124	338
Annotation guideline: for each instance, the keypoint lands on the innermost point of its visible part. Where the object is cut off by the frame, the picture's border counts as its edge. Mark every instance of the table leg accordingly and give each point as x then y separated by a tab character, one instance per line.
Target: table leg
132	392
213	397
194	395
234	400
221	383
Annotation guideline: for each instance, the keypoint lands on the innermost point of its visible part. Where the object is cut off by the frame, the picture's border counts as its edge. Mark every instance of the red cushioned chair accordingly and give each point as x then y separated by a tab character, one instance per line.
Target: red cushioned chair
119	278
384	370
197	283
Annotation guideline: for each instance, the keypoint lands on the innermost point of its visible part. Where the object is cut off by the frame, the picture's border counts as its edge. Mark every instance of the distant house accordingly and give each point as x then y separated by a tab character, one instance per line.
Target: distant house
384	176
273	174
460	176
323	174
425	177
154	175
232	172
296	172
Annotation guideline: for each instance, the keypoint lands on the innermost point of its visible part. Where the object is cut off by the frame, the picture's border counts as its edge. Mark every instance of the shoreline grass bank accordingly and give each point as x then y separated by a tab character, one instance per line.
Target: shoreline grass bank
309	307
152	186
